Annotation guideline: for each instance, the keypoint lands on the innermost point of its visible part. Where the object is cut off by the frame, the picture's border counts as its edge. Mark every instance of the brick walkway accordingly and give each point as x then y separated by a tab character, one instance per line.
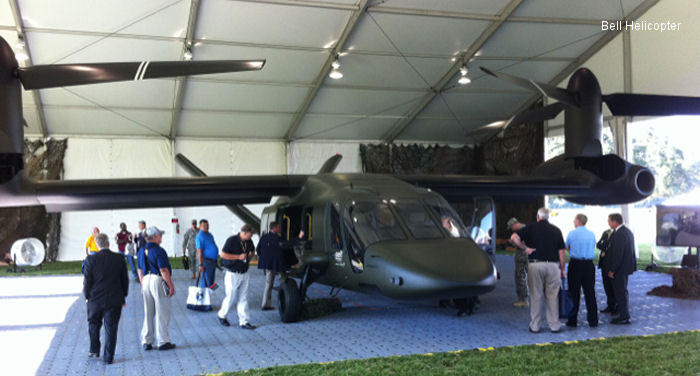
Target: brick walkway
43	329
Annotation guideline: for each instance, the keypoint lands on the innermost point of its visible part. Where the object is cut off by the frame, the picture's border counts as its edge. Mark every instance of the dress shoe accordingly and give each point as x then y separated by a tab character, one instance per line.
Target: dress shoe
224	322
571	324
607	310
147	346
556	330
620	321
521	303
248	326
110	361
166	346
533	331
268	308
93	355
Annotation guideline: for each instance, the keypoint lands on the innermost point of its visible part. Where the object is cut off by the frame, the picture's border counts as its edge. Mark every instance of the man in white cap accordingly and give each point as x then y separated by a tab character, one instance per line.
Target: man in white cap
157	288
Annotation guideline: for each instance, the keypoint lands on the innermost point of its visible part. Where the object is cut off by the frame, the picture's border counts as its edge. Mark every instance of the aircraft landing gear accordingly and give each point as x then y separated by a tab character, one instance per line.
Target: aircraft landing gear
291	297
467	306
289	301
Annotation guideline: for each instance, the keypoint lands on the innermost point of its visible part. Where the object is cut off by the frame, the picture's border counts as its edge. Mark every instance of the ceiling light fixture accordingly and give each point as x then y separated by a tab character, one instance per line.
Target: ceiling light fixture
464	79
335	72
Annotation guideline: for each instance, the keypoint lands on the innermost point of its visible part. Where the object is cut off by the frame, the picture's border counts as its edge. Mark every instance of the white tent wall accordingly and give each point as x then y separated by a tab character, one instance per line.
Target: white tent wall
91	158
667	62
94	158
224	158
306	157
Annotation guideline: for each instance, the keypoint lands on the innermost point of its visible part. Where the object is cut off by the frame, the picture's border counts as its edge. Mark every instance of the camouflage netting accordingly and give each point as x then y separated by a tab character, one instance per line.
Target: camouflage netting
43	161
518	152
418	159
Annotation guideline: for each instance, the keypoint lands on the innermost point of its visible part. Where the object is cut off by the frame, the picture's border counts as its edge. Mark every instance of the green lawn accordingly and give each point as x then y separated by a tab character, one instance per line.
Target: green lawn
67	267
666	354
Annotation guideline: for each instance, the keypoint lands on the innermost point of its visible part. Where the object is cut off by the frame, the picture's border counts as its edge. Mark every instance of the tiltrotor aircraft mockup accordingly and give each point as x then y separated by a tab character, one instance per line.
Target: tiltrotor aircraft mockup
393	235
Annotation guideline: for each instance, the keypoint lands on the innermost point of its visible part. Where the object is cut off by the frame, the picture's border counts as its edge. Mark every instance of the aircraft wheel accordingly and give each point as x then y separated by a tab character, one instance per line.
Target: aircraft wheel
289	301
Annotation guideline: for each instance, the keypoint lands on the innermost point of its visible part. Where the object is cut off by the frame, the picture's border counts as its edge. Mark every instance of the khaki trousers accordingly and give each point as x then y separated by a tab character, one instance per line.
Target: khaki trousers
544	281
156	307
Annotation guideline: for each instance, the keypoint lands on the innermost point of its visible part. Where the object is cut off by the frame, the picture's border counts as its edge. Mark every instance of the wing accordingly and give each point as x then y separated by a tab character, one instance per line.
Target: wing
507	188
153	192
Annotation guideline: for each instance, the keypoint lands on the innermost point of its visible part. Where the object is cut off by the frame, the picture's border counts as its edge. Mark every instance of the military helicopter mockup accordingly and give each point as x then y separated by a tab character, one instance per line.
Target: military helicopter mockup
395	235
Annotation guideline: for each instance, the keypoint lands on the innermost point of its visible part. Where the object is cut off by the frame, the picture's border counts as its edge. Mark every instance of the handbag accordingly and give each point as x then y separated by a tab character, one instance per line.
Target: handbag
566	304
199	298
185	262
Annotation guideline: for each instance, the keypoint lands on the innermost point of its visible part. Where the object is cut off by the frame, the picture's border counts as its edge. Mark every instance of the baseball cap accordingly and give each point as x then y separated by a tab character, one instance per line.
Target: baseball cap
511	222
153	231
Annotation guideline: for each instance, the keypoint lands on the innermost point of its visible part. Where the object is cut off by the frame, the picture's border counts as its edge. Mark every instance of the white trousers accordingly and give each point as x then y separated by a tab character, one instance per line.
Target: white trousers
236	288
544	280
156	307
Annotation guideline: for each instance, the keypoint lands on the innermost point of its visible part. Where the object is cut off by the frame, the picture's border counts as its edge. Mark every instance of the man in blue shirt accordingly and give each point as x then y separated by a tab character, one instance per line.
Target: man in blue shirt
157	288
207	255
581	246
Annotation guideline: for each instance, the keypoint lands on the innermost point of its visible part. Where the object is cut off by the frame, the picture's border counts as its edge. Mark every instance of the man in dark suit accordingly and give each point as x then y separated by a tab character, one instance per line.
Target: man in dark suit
602	245
105	287
620	262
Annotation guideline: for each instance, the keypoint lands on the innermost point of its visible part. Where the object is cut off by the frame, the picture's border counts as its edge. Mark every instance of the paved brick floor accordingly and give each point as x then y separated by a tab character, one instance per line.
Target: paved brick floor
43	329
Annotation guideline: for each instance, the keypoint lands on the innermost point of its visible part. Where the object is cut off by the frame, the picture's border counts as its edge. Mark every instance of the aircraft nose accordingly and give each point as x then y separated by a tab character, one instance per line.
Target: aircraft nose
439	268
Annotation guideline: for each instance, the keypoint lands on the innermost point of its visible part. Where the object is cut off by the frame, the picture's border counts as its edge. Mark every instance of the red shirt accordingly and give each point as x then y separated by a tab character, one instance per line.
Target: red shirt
123	237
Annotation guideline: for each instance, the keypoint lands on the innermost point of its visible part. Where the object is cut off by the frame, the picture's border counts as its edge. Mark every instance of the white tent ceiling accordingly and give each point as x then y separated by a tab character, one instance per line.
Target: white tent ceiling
400	60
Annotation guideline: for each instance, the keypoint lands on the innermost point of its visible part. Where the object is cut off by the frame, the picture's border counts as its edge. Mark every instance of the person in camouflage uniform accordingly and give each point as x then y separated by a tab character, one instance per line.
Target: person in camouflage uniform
188	244
520	267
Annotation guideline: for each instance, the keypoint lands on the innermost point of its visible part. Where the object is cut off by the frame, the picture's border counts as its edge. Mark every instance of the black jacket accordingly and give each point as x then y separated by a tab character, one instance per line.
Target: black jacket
106	282
603	246
270	253
620	257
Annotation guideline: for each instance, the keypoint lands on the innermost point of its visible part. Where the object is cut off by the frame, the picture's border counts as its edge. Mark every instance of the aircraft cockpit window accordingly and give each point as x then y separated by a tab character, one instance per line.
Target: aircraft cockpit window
419	222
449	219
372	222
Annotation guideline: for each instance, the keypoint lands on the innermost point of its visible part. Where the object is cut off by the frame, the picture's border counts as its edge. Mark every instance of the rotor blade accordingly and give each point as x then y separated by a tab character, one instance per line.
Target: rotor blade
48	76
538	87
243	213
624	104
545	113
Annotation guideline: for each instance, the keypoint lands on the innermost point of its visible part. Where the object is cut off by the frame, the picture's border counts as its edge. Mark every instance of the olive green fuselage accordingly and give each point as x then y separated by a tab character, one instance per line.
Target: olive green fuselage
408	268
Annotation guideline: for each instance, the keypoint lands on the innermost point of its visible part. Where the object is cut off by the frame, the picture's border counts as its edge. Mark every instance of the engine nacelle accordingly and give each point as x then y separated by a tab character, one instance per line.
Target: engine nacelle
612	179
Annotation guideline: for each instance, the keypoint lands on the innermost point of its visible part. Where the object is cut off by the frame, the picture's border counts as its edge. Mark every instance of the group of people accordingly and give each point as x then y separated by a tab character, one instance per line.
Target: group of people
106	286
540	265
106	280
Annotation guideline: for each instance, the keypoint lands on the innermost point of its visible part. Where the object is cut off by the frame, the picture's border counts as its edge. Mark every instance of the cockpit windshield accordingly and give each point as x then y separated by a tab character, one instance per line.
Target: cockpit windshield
417	219
372	222
449	219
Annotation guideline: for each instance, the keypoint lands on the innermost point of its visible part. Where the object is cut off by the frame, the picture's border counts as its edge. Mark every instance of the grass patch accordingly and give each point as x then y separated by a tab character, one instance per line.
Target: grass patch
69	267
666	354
